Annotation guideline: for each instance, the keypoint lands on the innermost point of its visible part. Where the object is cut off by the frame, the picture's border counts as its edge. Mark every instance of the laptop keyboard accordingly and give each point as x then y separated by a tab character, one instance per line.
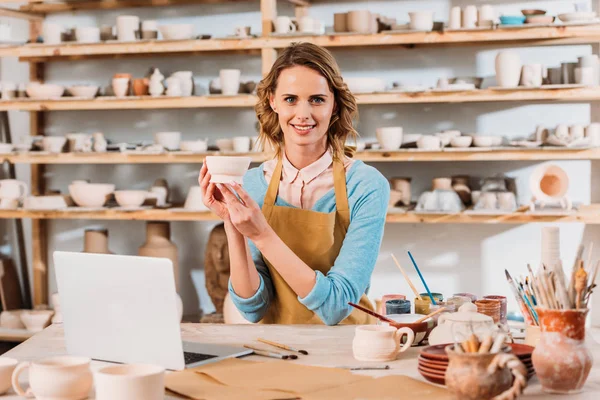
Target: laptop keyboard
191	358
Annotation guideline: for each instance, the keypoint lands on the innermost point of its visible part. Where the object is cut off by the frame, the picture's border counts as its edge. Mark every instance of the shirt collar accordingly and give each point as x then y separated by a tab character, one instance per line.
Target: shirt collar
309	172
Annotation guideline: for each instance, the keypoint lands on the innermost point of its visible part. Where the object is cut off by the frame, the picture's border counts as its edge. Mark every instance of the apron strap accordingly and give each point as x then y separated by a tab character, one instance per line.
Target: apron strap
273	189
341	195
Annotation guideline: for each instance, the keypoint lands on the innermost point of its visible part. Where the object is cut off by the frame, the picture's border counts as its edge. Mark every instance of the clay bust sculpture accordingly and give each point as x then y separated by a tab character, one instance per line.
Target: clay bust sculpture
216	267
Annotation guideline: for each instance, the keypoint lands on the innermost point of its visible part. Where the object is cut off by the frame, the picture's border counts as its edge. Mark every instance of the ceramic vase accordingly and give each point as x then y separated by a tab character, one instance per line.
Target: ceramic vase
96	241
469	377
561	360
508	69
158	244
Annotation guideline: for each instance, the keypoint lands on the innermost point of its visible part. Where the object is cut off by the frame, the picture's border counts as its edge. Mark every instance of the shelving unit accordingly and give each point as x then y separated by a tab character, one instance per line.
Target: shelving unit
15	335
267	45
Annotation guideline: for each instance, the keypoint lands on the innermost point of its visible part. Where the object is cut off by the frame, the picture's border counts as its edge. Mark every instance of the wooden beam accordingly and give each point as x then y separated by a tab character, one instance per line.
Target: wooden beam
268	57
268	12
68	6
9	13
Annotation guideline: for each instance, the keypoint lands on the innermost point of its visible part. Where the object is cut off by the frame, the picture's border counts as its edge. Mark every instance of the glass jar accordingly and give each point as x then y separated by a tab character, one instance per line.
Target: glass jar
397	306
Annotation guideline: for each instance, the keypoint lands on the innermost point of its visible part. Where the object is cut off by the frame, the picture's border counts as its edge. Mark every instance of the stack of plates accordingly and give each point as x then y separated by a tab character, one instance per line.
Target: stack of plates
433	361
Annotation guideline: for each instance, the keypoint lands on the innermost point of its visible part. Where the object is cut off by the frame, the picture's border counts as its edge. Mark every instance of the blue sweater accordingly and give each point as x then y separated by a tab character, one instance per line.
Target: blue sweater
368	196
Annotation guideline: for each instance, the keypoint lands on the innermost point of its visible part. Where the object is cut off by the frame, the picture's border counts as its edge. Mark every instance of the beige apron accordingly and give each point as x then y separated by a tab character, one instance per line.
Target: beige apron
316	238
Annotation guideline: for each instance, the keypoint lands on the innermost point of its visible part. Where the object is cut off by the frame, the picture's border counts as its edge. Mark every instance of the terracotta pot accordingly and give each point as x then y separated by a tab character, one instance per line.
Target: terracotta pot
469	378
140	87
96	241
158	244
562	361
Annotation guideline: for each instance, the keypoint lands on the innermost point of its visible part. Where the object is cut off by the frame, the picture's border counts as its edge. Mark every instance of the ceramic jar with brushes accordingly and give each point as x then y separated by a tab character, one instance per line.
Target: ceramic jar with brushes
461	324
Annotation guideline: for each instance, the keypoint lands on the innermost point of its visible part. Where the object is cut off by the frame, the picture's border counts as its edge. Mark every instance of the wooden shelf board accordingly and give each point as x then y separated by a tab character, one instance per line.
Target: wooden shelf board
15	335
409	218
503	154
532	36
164	102
67	6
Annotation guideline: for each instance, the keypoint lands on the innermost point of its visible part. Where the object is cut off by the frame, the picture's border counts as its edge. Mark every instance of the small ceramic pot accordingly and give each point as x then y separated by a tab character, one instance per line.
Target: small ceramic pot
230	81
390	138
397	306
359	21
531	75
141	86
133	381
36	320
429	142
339	22
120	87
380	343
421	20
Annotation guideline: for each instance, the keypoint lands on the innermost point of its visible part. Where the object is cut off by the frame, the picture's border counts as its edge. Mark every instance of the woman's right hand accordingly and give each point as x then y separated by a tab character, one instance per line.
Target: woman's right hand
211	195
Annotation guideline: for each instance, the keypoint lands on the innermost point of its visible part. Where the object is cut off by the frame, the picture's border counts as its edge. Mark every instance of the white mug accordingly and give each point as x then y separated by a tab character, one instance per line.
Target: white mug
561	131
593	132
390	138
130	382
585	76
13	189
54	144
455	21
127	26
284	24
56	378
51	33
486	13
230	81
241	144
469	17
531	75
380	342
306	24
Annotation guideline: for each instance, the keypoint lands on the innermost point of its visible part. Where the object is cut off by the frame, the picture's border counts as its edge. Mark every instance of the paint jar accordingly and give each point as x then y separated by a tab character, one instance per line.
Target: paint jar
490	308
422	306
450	308
397	306
436	296
502	300
385	298
458	301
469	295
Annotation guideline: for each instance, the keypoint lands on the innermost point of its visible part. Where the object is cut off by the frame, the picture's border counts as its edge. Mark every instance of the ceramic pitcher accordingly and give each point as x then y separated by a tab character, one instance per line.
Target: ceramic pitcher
13	189
380	343
562	361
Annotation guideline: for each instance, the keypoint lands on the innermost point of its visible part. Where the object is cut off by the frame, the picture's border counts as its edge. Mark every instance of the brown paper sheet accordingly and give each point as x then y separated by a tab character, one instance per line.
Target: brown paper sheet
386	388
278	375
202	387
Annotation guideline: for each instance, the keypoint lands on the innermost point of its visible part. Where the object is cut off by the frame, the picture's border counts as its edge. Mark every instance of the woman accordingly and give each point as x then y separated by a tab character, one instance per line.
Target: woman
313	216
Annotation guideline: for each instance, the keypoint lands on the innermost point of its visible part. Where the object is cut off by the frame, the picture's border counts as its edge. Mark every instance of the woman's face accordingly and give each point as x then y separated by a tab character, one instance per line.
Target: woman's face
304	105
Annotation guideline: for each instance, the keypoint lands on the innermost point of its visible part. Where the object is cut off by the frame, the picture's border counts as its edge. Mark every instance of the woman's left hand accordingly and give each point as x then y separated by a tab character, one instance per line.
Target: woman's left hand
244	212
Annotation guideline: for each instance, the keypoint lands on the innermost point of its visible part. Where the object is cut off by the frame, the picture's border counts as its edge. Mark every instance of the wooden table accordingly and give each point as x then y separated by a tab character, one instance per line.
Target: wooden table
328	346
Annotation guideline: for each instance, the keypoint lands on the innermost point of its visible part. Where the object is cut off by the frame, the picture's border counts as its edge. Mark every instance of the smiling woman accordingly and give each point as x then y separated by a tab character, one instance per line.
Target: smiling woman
305	229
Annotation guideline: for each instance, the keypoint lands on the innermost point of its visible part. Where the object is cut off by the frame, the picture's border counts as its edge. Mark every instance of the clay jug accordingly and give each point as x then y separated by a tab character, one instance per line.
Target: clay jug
158	244
561	360
96	241
474	376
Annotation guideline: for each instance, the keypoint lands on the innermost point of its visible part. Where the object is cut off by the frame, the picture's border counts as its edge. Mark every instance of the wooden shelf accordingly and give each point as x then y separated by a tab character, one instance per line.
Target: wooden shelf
588	217
163	102
555	35
42	7
15	335
412	155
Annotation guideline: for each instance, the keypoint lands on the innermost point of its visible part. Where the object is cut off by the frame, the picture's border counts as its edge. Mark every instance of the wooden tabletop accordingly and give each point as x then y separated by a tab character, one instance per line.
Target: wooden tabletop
328	346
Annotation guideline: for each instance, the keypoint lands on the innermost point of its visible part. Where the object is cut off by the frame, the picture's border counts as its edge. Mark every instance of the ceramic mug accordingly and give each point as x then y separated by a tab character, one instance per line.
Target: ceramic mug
390	138
130	382
488	200
555	75
380	343
307	24
562	131
507	201
339	22
13	189
241	144
284	25
585	76
469	18
531	75
568	72
120	86
421	20
359	21
127	26
230	81
455	18
51	33
54	144
56	378
593	133
576	132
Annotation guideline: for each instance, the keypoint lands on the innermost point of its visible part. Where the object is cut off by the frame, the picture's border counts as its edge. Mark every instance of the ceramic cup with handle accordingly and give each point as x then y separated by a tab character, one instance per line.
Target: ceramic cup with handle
284	25
130	382
13	189
56	378
380	343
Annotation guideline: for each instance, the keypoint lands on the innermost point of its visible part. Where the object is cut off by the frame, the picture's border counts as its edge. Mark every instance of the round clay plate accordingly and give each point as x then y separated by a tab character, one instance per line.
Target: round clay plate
436	352
433	371
521	350
438	379
433	362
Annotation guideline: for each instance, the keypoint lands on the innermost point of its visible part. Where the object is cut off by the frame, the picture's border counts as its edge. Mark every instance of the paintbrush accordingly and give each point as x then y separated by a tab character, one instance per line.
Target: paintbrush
439	310
422	279
520	302
528	303
416	292
373	367
580	286
571	288
373	313
282	346
272	354
536	288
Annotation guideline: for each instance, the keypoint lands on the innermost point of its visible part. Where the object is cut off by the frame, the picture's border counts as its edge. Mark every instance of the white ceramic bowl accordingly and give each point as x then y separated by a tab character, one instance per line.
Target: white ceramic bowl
410	137
169	140
36	320
390	138
44	91
483	141
177	31
365	85
196	146
461	141
6	148
225	144
429	142
421	20
83	91
226	169
130	198
90	194
577	16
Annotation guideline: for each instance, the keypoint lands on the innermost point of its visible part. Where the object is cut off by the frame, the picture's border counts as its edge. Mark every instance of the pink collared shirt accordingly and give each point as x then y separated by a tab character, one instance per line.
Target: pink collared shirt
303	188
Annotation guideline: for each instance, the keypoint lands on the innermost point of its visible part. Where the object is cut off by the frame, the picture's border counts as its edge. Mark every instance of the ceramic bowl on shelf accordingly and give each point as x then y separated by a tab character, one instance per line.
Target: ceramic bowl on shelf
580	16
90	194
169	140
461	141
421	20
539	19
44	91
177	31
130	198
195	146
227	169
83	91
36	320
365	85
512	19
528	12
483	141
429	142
225	144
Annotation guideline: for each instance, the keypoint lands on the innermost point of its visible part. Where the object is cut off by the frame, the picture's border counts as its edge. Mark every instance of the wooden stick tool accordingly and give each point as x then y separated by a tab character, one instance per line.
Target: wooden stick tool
282	346
415	291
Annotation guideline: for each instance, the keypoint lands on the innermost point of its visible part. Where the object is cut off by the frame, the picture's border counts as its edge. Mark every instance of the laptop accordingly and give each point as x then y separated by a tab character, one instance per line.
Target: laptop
124	309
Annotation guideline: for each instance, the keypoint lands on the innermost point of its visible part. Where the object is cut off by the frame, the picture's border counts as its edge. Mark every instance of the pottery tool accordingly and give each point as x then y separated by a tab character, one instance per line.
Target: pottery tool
593	280
486	345
545	284
589	258
414	289
580	286
372	313
422	279
528	302
498	343
536	288
561	288
524	310
272	354
571	288
373	367
473	343
439	310
282	346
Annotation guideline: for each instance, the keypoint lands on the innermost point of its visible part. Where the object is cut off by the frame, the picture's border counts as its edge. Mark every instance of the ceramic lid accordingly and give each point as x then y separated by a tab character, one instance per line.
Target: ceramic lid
468	313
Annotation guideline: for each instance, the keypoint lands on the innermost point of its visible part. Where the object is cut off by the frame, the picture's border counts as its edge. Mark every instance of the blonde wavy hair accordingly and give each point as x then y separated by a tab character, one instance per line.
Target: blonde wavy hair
345	109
